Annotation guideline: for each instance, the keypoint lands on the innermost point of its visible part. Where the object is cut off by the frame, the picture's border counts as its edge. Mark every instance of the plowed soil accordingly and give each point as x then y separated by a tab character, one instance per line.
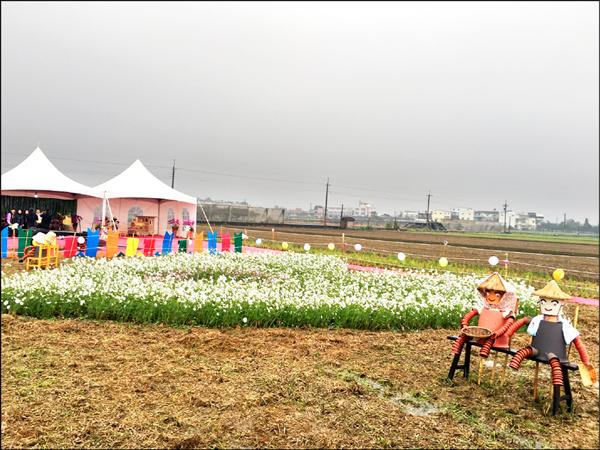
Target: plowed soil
83	384
580	261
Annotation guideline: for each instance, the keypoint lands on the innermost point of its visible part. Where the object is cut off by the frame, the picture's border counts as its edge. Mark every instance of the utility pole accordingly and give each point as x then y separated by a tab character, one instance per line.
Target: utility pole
505	206
565	223
428	198
326	198
173	175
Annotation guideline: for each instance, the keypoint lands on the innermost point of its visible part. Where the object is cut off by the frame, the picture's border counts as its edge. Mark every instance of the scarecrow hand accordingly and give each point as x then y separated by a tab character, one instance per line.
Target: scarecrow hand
588	374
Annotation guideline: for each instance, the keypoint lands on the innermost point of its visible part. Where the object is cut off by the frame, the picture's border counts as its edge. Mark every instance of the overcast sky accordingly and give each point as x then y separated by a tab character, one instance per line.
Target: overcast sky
477	102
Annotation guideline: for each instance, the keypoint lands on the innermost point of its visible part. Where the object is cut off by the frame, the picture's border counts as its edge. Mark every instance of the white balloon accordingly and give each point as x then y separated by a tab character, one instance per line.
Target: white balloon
307	247
259	241
401	256
358	247
493	260
81	239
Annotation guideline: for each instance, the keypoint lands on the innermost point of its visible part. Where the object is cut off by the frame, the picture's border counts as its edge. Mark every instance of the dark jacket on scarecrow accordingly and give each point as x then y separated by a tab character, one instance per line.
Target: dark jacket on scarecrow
551	333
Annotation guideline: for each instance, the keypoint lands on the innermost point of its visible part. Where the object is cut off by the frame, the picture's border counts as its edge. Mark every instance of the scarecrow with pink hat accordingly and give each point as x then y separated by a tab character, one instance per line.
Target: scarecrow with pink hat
496	316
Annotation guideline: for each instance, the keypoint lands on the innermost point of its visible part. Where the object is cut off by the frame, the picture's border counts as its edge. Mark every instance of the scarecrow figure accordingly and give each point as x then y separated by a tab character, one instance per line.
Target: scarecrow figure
551	333
497	315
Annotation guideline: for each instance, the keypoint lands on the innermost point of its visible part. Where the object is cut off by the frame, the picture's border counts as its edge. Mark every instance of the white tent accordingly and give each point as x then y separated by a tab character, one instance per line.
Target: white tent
137	192
36	175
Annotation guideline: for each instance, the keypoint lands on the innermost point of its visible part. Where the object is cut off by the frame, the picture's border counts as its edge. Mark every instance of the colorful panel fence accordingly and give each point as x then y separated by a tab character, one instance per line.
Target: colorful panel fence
25	240
237	242
132	246
91	245
225	242
112	244
4	239
212	242
198	242
70	248
167	244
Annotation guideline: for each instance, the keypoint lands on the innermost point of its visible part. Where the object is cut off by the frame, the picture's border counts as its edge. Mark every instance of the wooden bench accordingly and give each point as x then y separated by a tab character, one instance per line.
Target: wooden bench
565	367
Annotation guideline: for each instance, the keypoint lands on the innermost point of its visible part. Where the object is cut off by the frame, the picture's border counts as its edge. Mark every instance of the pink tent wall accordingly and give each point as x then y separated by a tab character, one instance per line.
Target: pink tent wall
90	208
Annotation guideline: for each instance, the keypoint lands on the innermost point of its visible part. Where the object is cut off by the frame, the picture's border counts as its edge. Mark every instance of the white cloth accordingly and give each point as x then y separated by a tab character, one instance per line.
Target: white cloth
569	332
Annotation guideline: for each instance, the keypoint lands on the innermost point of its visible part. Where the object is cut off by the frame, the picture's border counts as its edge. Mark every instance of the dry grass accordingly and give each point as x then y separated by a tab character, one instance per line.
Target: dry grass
82	384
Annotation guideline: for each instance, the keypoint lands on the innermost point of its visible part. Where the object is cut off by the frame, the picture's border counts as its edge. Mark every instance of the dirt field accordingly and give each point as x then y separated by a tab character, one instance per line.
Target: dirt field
579	260
81	384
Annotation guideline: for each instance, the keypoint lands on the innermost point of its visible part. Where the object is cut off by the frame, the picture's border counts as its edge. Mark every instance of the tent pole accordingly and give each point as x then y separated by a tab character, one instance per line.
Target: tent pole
112	219
158	219
103	210
200	204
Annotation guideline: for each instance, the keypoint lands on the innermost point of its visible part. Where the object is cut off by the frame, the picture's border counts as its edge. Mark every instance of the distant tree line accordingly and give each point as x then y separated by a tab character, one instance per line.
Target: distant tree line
571	226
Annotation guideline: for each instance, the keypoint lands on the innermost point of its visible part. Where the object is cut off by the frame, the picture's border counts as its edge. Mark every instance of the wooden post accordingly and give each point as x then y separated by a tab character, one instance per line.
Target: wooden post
480	370
574	326
506	266
535	381
273	234
494	367
503	376
343	242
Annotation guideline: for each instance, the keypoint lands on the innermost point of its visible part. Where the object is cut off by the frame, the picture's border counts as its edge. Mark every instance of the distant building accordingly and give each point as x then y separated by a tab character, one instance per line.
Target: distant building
487	216
411	215
364	210
463	214
522	221
439	215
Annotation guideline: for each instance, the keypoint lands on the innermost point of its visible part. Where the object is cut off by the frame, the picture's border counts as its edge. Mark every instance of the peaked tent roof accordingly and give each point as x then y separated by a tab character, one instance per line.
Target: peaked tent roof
37	173
138	182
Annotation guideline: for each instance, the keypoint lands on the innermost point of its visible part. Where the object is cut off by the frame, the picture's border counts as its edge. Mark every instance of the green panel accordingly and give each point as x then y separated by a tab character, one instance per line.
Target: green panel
183	246
25	240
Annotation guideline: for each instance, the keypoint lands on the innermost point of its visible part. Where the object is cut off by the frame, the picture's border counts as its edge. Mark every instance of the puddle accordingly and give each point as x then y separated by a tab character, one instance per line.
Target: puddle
414	406
411	405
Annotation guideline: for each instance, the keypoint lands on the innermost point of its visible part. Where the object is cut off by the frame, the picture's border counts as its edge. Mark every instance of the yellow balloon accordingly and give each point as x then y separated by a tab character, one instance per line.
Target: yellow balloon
443	261
558	274
284	245
330	246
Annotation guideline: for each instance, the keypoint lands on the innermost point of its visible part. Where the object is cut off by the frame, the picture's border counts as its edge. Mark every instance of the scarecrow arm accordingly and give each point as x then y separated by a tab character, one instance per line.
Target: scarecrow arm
468	316
503	329
581	350
516	325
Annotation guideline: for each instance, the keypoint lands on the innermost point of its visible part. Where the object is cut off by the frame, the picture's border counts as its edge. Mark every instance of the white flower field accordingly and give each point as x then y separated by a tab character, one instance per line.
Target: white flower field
230	289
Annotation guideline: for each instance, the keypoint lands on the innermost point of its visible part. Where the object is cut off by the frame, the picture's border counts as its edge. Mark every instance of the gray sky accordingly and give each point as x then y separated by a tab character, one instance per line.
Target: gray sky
477	102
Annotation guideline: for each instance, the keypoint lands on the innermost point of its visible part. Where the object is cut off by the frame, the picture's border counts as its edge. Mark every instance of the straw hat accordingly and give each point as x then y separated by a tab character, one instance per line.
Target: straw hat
494	283
552	292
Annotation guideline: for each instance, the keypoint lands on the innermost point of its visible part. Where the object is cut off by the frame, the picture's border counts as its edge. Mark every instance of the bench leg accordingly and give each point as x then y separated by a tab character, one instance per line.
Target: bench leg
453	366
467	360
567	383
556	400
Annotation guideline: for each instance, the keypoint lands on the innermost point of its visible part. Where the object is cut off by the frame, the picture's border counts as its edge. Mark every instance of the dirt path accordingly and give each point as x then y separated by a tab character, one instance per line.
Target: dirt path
72	383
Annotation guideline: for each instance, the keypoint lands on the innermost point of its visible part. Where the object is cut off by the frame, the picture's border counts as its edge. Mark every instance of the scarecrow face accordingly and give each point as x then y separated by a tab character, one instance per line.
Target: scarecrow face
550	307
493	297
